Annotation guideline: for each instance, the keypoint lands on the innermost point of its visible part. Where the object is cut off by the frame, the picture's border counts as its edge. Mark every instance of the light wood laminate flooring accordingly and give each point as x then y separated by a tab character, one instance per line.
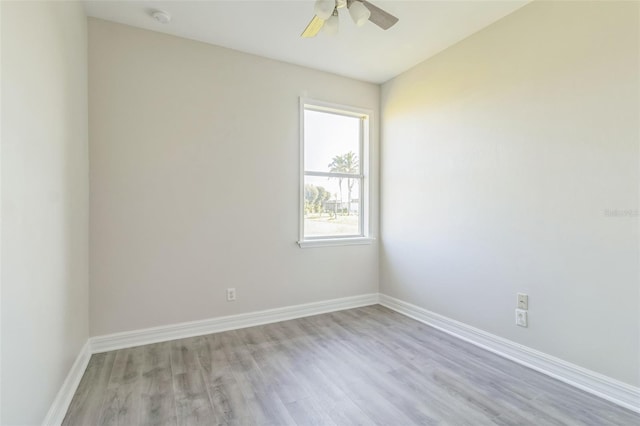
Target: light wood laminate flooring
364	366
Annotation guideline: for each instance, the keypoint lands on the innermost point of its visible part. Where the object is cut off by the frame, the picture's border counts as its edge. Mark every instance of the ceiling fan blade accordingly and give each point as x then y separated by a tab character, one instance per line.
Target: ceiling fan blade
383	19
313	28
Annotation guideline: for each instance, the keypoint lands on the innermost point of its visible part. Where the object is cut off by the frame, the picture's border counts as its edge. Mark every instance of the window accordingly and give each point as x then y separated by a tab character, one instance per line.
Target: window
334	190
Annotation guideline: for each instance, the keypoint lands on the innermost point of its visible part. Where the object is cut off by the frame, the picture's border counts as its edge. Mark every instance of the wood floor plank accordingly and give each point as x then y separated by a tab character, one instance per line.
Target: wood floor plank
309	411
264	406
86	406
445	405
489	385
271	358
158	406
127	367
226	397
305	364
355	375
121	406
501	380
122	400
193	406
362	366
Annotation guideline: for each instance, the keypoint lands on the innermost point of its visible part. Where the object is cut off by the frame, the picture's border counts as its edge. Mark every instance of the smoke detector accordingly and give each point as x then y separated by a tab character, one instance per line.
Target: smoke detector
161	16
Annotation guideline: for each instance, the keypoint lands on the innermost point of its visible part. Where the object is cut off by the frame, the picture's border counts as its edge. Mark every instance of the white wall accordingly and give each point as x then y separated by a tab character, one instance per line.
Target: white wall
194	182
500	157
44	202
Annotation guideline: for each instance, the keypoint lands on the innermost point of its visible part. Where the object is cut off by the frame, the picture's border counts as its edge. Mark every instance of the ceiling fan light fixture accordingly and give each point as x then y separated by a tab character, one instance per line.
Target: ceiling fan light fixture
324	8
331	24
359	13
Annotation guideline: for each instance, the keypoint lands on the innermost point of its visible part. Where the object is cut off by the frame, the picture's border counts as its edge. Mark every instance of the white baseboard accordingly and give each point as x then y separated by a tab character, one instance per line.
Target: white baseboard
215	325
605	387
60	405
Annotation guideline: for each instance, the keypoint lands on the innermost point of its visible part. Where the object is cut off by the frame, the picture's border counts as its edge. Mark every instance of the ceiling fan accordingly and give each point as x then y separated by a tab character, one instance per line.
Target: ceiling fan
326	16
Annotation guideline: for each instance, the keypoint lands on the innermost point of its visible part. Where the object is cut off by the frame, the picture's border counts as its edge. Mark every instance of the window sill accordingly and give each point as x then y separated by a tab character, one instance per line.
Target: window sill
336	242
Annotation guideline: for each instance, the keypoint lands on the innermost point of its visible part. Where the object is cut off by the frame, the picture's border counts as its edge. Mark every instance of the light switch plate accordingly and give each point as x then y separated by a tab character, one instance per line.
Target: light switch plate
523	301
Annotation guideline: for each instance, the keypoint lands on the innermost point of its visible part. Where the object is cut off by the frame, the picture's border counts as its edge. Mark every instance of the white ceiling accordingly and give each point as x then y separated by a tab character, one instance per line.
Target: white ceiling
272	28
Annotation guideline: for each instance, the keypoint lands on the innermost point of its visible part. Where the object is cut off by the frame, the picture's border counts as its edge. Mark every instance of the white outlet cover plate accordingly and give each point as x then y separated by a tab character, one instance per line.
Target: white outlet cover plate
521	318
231	294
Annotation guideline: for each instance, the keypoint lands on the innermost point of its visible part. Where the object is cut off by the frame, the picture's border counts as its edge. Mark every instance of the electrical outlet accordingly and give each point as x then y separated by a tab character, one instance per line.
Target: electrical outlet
521	318
523	301
231	294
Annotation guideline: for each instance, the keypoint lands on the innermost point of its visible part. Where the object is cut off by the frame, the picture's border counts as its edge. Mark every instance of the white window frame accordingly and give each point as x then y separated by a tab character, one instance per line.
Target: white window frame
365	117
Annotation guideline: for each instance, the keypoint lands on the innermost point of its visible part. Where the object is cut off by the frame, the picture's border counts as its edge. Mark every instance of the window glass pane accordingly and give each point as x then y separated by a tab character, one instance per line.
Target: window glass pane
331	206
331	142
